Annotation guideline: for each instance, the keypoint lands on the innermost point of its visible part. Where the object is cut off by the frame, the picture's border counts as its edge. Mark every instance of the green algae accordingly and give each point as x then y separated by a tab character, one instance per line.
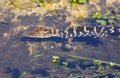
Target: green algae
41	3
55	59
96	15
107	17
77	2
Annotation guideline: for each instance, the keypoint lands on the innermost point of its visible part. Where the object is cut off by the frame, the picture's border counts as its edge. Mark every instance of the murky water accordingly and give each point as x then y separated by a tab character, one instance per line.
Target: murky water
24	57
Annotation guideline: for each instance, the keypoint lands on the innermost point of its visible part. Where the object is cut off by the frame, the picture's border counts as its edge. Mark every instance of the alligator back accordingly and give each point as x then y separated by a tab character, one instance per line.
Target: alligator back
74	31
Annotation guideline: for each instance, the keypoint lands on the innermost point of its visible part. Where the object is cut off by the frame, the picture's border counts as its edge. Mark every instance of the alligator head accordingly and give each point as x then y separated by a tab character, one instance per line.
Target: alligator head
43	32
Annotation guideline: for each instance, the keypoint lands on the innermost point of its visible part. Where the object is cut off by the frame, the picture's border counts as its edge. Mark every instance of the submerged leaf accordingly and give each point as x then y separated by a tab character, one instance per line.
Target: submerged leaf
102	22
82	1
111	21
55	59
96	15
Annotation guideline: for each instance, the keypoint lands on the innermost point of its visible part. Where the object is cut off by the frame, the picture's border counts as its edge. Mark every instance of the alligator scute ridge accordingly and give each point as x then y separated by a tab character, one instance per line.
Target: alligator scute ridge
74	31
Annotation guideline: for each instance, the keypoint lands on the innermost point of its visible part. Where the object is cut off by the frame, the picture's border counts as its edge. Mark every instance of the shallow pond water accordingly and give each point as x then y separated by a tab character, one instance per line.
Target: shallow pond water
25	57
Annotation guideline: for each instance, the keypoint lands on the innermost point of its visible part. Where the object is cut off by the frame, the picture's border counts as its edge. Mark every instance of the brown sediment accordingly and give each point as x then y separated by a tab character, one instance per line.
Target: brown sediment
32	48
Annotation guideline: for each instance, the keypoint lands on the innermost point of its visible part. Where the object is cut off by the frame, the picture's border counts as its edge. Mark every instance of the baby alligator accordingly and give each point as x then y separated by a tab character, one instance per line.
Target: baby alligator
74	31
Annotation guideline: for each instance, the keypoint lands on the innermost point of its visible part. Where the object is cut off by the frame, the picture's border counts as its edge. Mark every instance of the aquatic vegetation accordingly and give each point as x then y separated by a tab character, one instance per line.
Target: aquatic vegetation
68	62
111	21
102	22
82	1
76	2
96	68
112	64
99	18
73	3
106	18
41	3
55	59
97	62
97	15
65	64
43	62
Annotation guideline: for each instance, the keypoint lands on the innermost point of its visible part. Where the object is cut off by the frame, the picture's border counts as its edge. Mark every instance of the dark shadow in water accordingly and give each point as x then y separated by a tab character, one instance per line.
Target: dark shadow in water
88	40
7	70
28	19
42	72
14	72
55	39
58	20
3	23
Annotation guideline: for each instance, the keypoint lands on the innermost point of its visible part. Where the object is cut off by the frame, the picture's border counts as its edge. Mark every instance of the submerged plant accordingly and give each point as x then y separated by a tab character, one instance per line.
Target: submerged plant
65	64
105	18
97	15
102	22
76	2
55	59
112	64
41	2
82	1
73	3
97	62
111	21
